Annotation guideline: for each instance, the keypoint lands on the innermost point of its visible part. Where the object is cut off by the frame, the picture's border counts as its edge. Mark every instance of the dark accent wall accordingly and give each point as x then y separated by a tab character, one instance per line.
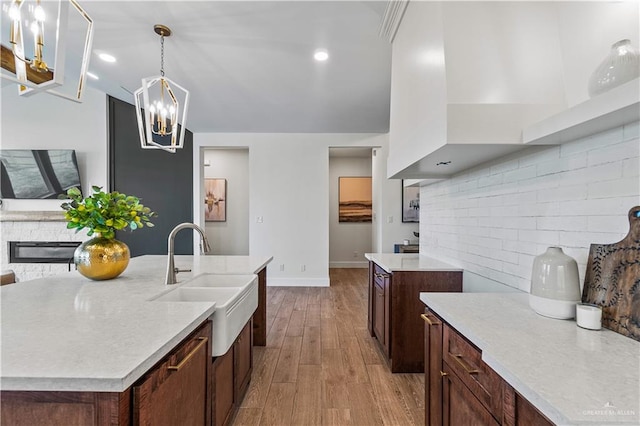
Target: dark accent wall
163	181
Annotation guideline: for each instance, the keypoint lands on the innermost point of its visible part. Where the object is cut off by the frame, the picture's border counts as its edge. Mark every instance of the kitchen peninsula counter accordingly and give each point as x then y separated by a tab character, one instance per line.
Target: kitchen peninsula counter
68	333
571	375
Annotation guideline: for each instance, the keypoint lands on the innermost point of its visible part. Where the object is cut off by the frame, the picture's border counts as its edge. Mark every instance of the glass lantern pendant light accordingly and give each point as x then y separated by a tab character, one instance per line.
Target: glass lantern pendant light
161	120
39	55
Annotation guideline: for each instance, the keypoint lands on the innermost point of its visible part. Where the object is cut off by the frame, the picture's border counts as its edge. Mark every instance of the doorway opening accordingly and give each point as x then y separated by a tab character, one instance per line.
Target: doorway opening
350	205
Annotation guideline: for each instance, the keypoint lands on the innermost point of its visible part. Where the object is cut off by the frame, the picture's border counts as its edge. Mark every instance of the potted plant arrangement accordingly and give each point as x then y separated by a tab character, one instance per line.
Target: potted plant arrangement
103	213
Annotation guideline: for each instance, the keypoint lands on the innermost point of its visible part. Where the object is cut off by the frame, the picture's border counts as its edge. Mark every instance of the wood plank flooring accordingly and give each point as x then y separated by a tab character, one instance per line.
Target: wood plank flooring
321	366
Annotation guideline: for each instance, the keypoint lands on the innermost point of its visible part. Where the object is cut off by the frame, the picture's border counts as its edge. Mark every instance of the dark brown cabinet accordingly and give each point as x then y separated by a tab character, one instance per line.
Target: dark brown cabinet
231	376
432	369
177	390
395	308
460	406
460	389
381	311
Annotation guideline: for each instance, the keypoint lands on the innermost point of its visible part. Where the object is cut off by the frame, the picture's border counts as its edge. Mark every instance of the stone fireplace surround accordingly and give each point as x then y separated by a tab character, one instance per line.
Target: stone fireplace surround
34	226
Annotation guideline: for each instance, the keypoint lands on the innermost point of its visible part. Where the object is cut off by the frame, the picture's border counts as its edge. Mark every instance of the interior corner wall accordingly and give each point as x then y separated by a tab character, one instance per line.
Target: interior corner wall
348	241
230	237
388	228
44	121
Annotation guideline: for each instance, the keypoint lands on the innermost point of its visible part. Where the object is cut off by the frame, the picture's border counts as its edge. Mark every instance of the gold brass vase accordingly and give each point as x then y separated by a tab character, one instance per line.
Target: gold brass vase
101	258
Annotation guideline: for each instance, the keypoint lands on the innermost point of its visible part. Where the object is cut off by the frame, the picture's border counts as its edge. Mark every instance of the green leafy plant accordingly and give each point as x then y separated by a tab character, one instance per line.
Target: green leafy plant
105	213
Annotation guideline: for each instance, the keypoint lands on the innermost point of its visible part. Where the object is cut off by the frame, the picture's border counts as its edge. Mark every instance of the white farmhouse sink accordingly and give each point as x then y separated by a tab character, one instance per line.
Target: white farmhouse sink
219	280
235	304
220	295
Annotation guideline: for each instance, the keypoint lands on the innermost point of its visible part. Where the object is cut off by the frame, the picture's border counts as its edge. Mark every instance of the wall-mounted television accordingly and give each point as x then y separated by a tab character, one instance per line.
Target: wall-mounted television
37	173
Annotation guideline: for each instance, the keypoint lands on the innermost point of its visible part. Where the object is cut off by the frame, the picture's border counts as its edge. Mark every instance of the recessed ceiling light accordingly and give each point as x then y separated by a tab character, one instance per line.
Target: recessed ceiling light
106	57
321	55
93	76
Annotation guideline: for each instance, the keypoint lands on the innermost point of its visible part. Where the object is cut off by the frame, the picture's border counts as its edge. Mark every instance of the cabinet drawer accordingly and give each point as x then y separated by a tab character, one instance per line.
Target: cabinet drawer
465	360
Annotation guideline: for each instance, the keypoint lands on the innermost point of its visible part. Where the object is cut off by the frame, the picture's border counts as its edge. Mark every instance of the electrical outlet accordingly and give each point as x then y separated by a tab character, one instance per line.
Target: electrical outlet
282	267
303	268
356	254
258	219
389	219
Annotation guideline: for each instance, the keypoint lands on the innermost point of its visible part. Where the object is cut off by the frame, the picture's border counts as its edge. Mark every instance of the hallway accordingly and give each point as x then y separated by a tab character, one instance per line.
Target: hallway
321	366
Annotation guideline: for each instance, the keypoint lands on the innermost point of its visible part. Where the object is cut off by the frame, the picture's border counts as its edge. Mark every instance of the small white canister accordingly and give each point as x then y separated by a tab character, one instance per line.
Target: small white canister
589	316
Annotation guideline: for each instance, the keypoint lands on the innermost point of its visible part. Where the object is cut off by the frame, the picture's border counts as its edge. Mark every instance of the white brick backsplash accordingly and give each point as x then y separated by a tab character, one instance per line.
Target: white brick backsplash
574	192
563	223
627	186
562	164
585	239
600	140
631	131
596	207
504	167
537	155
532	209
630	167
619	224
614	153
491	180
550	238
494	219
524	173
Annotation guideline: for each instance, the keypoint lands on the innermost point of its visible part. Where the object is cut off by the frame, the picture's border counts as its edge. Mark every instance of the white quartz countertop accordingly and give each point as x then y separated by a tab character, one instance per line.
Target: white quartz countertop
392	262
572	375
68	333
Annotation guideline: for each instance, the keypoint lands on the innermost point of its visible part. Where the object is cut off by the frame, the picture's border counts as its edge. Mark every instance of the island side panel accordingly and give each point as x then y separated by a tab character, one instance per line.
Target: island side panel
260	315
407	328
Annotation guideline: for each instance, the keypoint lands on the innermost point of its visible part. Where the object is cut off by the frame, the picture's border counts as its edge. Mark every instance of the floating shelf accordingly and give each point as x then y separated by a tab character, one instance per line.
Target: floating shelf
619	106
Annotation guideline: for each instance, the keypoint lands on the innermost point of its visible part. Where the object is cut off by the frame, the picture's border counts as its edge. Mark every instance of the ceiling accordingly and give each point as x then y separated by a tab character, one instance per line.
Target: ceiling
249	65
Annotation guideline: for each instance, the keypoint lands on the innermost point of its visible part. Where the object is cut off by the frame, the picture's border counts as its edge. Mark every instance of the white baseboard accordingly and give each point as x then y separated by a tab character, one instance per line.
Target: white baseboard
356	264
297	282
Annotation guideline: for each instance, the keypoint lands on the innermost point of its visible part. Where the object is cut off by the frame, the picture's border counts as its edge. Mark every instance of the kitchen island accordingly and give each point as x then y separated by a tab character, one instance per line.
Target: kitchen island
69	335
540	366
395	283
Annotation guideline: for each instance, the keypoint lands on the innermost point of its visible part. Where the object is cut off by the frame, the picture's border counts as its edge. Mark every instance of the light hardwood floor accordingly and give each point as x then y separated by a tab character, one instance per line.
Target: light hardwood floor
321	366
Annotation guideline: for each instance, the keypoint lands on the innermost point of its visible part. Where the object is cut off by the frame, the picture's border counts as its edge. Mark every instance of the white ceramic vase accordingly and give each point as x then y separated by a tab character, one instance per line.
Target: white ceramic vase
622	64
555	284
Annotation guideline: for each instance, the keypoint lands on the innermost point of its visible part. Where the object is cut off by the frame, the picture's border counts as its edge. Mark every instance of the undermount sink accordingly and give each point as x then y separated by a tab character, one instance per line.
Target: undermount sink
236	298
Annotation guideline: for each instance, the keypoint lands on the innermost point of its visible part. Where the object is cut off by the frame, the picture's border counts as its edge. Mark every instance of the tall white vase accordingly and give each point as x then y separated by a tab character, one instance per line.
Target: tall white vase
622	64
555	284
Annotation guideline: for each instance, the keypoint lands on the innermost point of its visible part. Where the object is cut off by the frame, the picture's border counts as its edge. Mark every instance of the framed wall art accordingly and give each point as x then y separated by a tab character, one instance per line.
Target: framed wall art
410	203
215	200
354	199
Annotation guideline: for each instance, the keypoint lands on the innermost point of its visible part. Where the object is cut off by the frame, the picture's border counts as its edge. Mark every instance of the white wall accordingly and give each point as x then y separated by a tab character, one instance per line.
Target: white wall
494	219
44	121
388	228
230	237
347	241
289	190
